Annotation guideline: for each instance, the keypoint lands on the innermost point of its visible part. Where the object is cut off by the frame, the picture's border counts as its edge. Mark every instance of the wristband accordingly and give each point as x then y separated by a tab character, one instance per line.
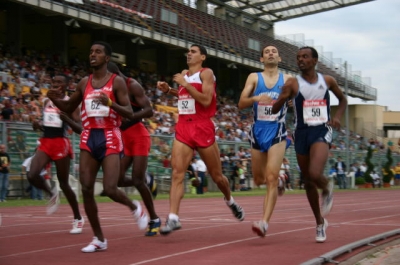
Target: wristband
109	103
169	90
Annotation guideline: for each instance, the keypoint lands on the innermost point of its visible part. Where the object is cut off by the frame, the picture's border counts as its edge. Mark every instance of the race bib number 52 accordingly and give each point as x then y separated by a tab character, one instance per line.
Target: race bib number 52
186	106
315	112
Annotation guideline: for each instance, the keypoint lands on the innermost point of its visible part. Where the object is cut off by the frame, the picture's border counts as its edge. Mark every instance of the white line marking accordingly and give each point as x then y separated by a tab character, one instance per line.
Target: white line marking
217	245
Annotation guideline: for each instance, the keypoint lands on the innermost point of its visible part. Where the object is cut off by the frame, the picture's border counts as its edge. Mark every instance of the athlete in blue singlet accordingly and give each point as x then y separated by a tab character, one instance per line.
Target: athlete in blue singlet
313	135
268	133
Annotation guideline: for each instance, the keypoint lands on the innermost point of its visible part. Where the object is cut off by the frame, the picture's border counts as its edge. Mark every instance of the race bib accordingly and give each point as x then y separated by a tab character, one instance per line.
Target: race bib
51	118
95	109
186	106
264	112
315	112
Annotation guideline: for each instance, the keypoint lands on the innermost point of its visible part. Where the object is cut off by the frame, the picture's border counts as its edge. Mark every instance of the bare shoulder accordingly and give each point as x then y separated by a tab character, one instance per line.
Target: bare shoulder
292	80
286	77
119	82
207	72
330	81
82	84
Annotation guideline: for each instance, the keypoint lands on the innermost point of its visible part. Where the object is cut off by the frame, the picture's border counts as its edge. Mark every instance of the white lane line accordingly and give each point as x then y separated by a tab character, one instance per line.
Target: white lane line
216	246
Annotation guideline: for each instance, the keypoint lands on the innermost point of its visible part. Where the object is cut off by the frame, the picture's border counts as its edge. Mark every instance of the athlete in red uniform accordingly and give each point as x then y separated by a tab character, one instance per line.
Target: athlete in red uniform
55	146
195	131
137	145
104	99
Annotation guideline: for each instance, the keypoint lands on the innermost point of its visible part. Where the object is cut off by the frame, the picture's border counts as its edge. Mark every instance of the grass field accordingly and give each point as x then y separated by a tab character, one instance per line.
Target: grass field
100	199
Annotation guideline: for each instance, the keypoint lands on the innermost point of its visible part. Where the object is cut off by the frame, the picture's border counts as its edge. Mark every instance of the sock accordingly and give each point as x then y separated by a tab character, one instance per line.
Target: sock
173	216
155	220
230	202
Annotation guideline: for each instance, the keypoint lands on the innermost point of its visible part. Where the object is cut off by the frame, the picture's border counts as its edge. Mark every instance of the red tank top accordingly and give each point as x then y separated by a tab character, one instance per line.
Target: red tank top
191	110
93	113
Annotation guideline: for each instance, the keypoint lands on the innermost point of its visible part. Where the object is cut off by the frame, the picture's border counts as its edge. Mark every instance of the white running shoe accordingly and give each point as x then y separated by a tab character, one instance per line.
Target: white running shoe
54	202
321	232
95	245
140	216
77	226
260	228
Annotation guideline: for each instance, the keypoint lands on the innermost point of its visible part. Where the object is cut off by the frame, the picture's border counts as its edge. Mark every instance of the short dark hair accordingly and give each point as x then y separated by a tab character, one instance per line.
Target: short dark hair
107	47
66	78
314	53
203	50
262	50
113	67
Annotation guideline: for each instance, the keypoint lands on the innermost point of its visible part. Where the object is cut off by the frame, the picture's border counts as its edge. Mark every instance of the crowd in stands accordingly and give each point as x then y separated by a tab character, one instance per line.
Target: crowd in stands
25	79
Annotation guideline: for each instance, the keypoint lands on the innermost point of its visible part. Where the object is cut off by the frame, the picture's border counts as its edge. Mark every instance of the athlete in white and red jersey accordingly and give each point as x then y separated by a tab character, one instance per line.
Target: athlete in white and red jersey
137	145
55	146
195	131
104	99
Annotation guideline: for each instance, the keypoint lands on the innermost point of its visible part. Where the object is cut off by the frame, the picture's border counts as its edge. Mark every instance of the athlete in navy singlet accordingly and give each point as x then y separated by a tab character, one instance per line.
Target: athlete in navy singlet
313	135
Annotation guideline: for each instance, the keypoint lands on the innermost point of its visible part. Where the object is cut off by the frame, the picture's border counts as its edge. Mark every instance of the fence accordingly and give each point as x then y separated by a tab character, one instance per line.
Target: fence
21	142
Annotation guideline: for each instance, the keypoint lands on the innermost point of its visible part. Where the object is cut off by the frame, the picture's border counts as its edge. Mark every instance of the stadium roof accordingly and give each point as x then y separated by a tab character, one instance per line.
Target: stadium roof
279	10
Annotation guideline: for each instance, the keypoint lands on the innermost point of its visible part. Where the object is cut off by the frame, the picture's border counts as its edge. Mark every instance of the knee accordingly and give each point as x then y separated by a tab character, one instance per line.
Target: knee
138	178
86	189
272	179
178	175
64	185
109	190
219	179
308	185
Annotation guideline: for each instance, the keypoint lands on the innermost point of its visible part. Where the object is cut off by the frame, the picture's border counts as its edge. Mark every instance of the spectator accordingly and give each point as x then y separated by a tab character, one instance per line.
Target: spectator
7	112
340	167
201	174
5	163
376	179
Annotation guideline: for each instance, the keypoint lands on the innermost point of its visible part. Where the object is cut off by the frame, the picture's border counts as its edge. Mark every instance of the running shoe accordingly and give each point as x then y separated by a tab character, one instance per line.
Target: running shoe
54	202
237	210
95	245
327	200
77	226
140	216
321	232
153	228
281	185
260	228
170	225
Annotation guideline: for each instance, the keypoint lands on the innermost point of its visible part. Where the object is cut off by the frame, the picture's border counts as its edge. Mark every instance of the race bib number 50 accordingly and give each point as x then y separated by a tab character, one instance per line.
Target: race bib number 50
186	106
315	112
51	118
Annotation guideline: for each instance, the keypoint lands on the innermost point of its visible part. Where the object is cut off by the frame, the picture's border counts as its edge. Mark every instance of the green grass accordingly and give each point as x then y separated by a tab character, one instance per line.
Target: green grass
101	199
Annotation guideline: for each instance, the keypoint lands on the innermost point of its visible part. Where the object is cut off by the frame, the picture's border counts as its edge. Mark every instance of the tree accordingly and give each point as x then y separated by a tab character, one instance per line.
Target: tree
388	173
370	166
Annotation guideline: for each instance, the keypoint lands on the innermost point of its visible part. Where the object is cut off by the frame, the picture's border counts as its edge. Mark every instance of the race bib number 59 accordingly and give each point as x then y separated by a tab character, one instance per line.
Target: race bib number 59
315	112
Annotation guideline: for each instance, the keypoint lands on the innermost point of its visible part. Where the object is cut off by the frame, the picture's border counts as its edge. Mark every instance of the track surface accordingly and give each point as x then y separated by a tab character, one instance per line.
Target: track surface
209	234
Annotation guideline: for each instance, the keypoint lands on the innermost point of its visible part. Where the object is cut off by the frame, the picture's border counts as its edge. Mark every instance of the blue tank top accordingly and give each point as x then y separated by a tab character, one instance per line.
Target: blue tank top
263	113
